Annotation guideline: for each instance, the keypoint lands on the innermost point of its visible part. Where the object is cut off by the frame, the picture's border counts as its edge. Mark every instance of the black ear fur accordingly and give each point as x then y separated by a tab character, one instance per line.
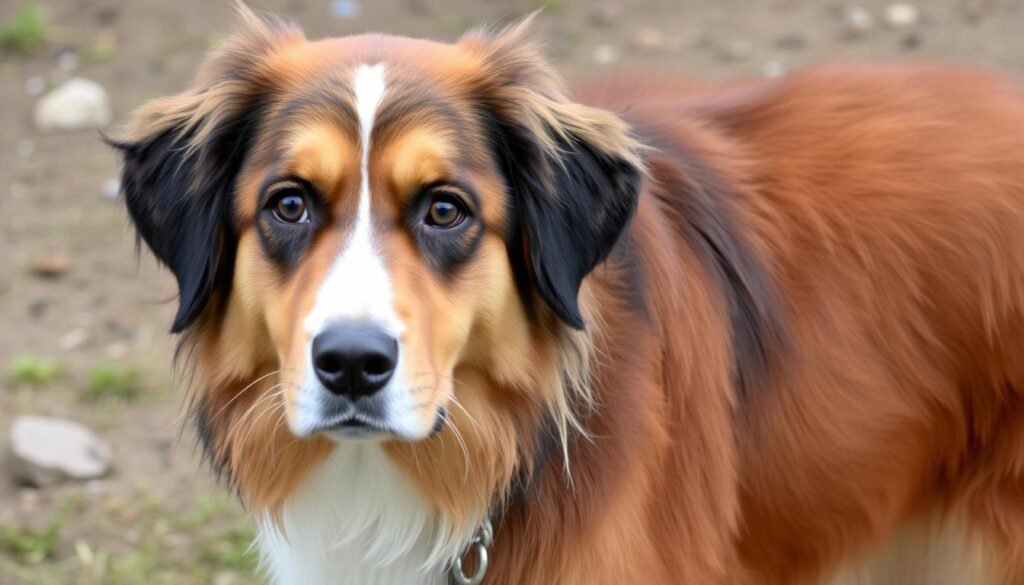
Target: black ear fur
185	154
181	205
568	212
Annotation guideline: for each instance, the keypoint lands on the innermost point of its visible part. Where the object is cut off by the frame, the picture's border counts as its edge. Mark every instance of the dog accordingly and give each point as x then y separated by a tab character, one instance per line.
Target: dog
449	323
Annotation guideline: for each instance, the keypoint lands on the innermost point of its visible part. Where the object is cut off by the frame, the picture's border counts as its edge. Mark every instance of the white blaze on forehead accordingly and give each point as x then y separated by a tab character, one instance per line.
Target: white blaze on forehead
358	287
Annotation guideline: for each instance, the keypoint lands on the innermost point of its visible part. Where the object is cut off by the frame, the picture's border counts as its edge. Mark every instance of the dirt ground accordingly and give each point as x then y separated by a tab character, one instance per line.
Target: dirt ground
159	517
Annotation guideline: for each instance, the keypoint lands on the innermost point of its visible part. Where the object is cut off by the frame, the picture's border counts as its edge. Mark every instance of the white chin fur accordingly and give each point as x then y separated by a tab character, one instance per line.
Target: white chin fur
358	520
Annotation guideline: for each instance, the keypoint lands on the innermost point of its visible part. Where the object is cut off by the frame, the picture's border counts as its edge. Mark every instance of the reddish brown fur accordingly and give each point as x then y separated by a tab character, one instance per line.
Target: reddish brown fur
888	202
885	204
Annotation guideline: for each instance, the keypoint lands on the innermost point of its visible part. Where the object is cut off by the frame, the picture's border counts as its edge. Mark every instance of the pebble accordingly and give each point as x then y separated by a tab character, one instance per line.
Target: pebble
606	15
692	39
35	85
161	443
46	451
974	10
791	42
52	266
420	7
605	54
67	61
76	104
111	189
773	69
37	307
736	51
911	42
116	350
857	21
107	15
84	553
127	333
344	8
901	15
650	39
74	339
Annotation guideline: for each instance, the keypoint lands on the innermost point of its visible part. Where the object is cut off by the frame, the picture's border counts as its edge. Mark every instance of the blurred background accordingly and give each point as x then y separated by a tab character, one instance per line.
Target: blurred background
104	488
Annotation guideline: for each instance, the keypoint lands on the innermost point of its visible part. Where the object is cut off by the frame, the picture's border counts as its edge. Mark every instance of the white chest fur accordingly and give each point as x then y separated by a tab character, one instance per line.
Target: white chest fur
358	520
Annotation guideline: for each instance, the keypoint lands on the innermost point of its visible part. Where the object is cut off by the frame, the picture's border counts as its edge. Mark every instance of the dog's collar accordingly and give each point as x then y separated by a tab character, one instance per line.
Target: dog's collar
479	546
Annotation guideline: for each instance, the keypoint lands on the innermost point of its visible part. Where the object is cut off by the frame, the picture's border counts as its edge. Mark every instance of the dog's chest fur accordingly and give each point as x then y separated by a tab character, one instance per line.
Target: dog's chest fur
358	520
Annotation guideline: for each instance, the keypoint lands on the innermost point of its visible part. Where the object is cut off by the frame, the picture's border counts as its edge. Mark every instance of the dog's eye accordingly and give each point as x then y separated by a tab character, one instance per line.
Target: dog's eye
446	211
289	205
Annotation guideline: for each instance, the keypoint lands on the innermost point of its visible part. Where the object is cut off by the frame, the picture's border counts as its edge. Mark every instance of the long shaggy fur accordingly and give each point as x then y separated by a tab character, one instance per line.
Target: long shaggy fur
742	336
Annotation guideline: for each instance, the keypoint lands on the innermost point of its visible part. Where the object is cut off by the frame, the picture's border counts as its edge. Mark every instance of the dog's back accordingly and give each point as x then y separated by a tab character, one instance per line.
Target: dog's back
886	204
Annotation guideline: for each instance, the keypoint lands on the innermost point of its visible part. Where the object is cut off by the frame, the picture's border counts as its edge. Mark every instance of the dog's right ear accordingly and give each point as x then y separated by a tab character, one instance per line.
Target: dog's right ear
182	155
573	172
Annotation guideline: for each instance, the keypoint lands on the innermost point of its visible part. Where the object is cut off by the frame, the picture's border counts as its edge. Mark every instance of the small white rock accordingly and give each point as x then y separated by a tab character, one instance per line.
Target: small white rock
901	15
117	350
67	61
45	451
111	189
773	69
605	54
74	339
35	85
650	39
76	104
857	20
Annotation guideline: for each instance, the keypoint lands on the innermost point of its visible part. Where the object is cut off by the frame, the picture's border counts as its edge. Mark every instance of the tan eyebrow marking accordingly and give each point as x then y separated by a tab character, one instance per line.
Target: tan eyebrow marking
323	155
417	157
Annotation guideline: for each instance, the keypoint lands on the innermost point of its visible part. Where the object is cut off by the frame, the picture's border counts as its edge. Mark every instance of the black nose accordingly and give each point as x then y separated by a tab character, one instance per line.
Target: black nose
354	361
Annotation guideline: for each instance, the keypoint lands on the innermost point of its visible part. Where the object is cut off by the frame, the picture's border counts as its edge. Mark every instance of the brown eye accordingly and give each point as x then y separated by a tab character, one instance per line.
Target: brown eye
289	205
446	211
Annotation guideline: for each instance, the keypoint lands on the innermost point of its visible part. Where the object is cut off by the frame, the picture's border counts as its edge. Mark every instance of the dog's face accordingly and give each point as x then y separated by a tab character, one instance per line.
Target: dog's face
375	218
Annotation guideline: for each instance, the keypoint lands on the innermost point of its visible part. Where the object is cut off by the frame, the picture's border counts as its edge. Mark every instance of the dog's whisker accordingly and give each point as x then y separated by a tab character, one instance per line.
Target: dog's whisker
282	420
455	401
243	391
465	451
252	409
255	423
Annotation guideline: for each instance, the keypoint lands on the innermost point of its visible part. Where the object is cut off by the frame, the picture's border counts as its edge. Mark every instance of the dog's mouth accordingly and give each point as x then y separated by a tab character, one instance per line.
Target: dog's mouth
355	424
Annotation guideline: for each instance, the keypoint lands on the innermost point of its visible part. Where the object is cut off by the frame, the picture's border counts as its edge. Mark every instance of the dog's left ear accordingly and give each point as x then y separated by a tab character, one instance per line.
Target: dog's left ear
573	172
182	155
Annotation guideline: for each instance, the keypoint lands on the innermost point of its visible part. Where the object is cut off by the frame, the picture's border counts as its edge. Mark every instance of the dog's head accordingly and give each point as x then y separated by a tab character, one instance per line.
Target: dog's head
393	232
